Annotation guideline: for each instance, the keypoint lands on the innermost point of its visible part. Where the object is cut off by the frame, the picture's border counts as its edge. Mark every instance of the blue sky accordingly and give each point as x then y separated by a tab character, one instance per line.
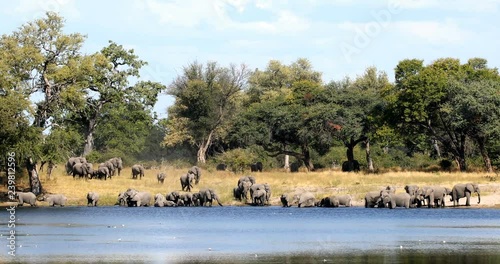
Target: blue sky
340	37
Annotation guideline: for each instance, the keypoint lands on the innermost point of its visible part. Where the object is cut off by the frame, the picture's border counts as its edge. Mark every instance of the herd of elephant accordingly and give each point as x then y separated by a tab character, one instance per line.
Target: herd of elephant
78	166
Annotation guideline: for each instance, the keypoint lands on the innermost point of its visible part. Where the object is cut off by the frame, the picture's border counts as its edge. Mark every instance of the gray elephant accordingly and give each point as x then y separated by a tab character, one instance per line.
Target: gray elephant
465	190
161	177
173	196
287	199
435	196
196	171
348	166
82	170
170	204
393	200
92	198
244	184
221	167
237	194
159	200
196	199
187	199
122	201
344	200
264	187
187	181
207	196
117	165
330	201
259	197
372	199
26	197
55	199
413	191
136	198
102	172
256	167
72	161
137	170
306	199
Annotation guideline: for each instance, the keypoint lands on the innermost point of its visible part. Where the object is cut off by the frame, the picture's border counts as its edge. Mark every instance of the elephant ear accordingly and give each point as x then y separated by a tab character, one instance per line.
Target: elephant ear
469	187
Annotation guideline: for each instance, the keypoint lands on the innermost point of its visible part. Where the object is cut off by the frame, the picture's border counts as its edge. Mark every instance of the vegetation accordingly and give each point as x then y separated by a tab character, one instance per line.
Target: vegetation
56	102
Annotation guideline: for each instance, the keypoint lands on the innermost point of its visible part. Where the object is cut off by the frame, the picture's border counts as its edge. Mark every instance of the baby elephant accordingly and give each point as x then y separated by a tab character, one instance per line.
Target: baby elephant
92	199
55	199
26	197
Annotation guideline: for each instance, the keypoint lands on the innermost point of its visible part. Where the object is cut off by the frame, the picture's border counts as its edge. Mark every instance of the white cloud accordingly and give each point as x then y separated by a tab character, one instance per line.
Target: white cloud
433	32
460	5
38	8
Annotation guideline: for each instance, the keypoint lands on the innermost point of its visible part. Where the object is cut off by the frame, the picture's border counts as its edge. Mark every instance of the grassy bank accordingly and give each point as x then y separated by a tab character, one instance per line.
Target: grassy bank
322	183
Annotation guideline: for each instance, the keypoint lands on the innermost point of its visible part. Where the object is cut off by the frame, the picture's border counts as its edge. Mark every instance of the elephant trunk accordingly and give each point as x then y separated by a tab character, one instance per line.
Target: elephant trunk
478	197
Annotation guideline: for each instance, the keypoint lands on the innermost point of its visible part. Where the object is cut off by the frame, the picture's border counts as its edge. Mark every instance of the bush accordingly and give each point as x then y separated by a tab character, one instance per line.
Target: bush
237	159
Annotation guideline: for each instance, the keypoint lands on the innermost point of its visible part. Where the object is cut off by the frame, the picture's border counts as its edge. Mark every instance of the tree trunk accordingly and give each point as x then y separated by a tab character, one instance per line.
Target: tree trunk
202	150
369	160
484	154
287	163
436	148
35	184
307	159
89	143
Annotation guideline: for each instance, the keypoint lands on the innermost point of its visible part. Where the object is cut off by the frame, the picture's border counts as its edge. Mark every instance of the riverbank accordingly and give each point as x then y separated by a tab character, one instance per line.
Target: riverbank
322	184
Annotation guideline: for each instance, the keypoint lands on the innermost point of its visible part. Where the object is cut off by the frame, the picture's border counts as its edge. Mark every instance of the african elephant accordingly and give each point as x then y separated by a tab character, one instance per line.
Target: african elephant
82	170
306	199
136	198
187	199
117	165
330	201
122	201
196	171
137	169
393	200
72	161
207	196
187	181
344	200
372	199
264	187
287	199
161	177
102	172
173	196
92	198
413	191
159	200
55	199
465	190
237	193
244	184
196	199
294	166
256	167
435	195
26	197
259	197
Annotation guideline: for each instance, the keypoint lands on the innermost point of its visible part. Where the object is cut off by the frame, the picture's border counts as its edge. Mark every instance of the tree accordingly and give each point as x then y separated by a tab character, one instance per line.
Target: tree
205	100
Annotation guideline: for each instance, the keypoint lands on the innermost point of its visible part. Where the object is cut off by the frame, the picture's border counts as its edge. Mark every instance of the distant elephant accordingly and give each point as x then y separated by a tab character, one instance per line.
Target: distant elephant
26	197
55	199
372	199
287	199
256	167
435	196
137	169
170	204
122	201
187	181
82	170
259	197
111	168
196	171
196	199
294	166
465	190
187	199
92	198
117	165
221	167
330	201
344	200
136	198
264	187
348	166
173	196
72	161
244	184
306	199
207	196
159	200
237	193
392	200
101	173
413	191
161	177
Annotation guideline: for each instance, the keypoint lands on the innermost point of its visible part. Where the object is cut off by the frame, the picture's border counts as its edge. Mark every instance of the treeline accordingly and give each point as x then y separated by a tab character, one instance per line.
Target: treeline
57	102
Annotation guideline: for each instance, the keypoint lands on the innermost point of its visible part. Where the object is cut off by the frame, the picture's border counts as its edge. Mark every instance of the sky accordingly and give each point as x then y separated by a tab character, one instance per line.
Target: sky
341	38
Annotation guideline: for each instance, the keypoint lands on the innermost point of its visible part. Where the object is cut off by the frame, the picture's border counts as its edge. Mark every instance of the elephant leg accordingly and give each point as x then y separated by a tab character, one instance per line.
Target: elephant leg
467	195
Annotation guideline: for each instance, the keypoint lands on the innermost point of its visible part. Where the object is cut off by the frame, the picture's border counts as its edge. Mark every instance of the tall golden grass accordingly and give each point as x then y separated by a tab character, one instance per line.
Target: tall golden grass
323	183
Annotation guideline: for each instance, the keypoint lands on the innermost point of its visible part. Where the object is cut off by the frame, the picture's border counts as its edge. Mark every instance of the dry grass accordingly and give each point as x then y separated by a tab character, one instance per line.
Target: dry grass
322	183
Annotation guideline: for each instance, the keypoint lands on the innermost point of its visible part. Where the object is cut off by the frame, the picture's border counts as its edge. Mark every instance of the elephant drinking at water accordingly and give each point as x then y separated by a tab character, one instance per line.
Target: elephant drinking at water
465	190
